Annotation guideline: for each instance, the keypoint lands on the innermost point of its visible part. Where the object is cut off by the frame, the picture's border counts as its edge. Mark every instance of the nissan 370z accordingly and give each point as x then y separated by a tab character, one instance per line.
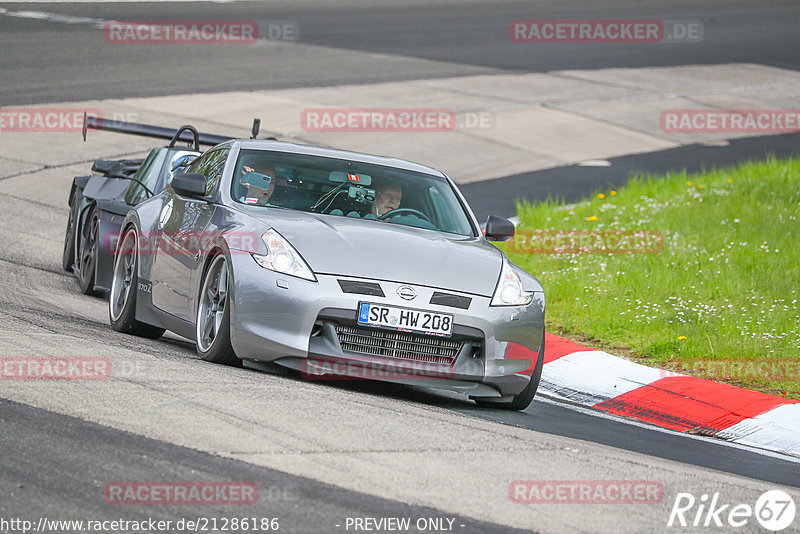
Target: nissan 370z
335	264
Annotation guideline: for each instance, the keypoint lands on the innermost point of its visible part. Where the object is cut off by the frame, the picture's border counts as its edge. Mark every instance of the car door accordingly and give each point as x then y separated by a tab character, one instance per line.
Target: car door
182	225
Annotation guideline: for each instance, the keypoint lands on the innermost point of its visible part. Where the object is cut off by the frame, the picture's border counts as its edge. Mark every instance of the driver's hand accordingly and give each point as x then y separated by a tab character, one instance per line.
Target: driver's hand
247	169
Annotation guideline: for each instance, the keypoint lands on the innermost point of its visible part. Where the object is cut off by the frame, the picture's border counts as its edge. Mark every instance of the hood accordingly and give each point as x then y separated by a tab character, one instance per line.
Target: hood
384	251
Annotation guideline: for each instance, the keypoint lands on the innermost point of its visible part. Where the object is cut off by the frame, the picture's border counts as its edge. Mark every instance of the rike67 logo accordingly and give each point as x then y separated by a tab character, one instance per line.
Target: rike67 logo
774	510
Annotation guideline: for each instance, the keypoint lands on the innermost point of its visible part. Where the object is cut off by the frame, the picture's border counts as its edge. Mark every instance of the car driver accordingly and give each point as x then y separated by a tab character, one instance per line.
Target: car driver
387	198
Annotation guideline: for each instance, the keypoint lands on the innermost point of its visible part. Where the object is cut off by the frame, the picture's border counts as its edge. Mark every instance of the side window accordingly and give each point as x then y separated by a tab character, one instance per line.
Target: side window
211	165
199	164
216	164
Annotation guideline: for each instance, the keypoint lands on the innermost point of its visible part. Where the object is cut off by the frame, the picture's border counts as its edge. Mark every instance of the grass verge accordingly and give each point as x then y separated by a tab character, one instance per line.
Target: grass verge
698	274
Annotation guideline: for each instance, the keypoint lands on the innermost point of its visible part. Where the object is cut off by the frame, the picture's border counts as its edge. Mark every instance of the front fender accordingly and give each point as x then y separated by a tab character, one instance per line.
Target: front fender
78	184
227	242
108	233
144	217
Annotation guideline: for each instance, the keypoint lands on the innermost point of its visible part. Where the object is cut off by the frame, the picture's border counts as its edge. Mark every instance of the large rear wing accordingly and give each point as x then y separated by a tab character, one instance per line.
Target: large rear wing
186	133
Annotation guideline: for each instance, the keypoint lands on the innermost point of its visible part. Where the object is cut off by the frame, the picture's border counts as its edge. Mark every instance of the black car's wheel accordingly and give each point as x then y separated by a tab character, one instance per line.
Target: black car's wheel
86	251
68	256
524	398
124	285
213	331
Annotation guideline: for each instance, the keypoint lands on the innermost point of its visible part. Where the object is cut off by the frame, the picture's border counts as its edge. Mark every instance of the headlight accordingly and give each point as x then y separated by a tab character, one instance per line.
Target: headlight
509	291
281	257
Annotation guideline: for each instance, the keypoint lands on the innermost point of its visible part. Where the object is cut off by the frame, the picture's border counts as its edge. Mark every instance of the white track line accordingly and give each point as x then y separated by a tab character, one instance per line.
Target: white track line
54	17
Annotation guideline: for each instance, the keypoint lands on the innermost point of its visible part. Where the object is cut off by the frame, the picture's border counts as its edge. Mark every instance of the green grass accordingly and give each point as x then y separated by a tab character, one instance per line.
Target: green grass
723	291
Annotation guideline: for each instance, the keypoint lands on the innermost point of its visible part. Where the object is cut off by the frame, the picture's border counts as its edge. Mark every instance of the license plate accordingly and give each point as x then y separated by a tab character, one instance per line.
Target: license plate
405	319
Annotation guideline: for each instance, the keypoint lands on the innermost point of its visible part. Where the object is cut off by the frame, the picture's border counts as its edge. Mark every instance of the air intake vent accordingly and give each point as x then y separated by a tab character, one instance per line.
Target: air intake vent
454	301
406	346
361	288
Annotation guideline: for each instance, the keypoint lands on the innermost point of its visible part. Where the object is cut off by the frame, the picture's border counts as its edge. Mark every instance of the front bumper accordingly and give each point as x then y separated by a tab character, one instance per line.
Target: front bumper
293	323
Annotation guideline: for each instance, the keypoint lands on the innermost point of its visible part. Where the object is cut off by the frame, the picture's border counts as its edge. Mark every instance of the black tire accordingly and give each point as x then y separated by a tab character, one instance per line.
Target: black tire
124	287
212	325
86	251
68	256
523	399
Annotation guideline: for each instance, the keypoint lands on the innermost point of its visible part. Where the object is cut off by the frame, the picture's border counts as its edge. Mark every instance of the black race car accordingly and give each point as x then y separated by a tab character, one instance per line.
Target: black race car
99	202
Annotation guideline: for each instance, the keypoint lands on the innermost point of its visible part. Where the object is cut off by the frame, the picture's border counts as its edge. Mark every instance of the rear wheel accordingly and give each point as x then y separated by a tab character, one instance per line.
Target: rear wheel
68	256
523	399
213	331
124	285
86	252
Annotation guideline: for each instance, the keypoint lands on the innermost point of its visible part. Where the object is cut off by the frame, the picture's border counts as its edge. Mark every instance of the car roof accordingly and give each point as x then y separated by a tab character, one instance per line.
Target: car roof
294	148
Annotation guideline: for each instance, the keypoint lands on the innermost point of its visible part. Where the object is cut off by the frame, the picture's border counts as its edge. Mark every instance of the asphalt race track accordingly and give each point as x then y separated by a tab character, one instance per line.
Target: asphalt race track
417	41
36	481
322	452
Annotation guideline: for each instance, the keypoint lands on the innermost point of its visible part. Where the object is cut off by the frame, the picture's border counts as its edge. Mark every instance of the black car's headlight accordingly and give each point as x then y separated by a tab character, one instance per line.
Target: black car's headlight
509	290
281	257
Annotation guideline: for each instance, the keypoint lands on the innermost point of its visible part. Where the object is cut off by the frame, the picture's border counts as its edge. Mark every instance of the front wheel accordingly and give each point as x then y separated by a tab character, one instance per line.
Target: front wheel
68	255
124	285
86	253
213	331
523	399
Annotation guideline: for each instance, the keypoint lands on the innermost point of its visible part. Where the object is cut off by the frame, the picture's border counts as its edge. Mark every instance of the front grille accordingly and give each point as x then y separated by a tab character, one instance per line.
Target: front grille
402	345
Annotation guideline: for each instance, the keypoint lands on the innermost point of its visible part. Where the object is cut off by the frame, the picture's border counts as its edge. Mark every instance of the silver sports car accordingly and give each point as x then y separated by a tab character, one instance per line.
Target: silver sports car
335	264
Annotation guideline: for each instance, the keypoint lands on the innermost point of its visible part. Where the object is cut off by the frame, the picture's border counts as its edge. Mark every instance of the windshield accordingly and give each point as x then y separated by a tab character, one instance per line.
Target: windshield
348	189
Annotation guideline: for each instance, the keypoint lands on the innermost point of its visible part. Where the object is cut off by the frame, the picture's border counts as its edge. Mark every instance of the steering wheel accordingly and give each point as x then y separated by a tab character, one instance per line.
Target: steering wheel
401	211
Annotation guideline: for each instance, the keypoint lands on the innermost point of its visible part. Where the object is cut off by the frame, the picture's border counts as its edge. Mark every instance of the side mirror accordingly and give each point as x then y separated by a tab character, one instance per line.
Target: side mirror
189	184
498	229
